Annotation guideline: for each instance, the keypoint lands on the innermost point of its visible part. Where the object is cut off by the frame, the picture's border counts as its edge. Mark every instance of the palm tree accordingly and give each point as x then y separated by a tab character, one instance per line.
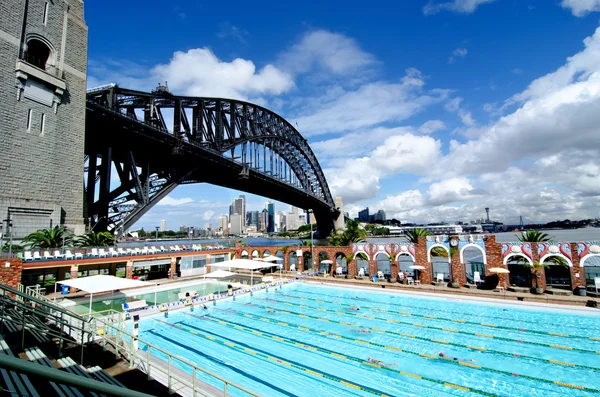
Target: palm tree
351	235
413	235
93	239
534	236
49	238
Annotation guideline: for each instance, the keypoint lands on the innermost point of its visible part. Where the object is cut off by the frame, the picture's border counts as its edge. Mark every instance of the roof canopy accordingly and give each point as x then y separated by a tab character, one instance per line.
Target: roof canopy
220	274
103	283
242	264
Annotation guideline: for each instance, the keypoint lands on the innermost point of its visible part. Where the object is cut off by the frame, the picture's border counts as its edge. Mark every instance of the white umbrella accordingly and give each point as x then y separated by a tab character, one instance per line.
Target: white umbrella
498	270
273	258
417	267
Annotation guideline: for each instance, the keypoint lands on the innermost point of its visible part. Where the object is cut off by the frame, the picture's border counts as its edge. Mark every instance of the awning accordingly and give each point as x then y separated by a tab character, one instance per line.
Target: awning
220	274
102	283
154	262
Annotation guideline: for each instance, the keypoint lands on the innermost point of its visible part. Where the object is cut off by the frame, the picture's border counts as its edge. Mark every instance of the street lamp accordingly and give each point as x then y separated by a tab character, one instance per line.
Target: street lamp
9	226
156	233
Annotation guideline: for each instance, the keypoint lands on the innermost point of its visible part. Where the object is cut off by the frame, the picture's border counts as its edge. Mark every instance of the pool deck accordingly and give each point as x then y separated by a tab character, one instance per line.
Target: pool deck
462	292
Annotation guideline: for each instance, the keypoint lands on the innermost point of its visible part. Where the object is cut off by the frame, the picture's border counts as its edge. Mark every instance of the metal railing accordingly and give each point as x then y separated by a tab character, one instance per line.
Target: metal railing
110	330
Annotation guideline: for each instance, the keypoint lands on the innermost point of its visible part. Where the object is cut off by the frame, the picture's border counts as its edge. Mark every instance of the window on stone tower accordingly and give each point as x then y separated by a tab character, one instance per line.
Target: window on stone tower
37	53
45	18
29	114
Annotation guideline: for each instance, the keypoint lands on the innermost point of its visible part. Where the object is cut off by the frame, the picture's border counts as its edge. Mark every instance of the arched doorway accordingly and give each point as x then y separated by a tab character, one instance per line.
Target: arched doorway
266	253
558	272
244	254
293	261
474	263
255	254
383	264
308	261
440	262
341	263
520	270
323	267
405	261
362	262
591	268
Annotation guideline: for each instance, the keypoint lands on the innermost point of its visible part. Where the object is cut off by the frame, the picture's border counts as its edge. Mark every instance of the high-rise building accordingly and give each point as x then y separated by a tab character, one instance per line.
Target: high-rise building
182	229
224	224
163	225
292	221
263	220
43	67
379	216
236	224
239	207
363	215
252	218
270	217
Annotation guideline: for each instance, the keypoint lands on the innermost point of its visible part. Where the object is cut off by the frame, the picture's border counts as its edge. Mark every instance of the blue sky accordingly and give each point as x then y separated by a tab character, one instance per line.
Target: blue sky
430	110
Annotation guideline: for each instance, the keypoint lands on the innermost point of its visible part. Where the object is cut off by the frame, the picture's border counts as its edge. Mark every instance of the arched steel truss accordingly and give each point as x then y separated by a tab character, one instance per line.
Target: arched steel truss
255	141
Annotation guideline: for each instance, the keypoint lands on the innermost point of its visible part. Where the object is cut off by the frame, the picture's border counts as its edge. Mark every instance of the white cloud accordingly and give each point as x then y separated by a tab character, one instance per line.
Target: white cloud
580	8
459	52
333	52
369	105
174	201
198	72
208	215
227	30
458	6
431	126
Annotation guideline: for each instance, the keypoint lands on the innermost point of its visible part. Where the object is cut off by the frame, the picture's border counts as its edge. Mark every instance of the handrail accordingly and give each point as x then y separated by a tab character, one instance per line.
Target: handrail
54	374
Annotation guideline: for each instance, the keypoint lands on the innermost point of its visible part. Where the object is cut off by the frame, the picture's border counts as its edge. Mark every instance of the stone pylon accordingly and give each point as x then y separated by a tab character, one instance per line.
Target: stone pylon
340	222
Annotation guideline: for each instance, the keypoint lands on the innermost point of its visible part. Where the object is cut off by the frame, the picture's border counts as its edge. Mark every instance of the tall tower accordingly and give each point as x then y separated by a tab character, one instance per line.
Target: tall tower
42	107
487	215
340	222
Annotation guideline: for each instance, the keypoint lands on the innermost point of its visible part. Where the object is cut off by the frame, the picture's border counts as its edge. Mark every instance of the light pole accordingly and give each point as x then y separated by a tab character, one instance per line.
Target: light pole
312	245
1	239
9	226
156	233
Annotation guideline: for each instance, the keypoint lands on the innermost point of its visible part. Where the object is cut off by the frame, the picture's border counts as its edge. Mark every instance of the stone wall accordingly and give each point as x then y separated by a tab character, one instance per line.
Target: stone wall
10	272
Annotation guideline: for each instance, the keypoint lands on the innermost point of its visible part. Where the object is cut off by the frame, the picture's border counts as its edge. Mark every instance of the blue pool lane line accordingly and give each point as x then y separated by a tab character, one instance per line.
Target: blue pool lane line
412	306
448	319
278	360
479	335
466	364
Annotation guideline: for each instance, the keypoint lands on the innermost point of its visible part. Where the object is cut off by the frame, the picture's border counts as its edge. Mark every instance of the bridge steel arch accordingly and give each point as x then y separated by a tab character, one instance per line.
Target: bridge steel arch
224	142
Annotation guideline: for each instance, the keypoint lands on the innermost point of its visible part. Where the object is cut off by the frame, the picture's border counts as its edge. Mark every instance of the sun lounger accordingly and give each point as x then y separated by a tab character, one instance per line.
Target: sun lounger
36	255
94	252
374	278
411	281
36	355
477	278
361	271
58	255
69	255
78	255
47	255
27	256
380	274
135	305
102	253
439	278
112	252
153	250
121	251
145	251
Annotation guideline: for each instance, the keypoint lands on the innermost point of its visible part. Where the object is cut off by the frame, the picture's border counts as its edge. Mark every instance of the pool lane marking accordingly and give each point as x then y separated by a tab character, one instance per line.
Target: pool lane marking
445	311
480	335
450	319
308	346
267	334
264	355
428	339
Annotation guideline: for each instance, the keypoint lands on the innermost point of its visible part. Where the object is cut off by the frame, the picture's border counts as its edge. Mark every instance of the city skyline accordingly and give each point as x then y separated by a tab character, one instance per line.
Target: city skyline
431	111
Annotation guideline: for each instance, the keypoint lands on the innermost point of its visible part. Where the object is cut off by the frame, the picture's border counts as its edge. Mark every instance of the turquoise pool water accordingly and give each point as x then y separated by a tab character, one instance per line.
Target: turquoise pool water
113	302
302	341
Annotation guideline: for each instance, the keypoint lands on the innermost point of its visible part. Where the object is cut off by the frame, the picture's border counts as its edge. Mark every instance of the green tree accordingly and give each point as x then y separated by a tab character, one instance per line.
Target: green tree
49	238
534	236
352	234
96	239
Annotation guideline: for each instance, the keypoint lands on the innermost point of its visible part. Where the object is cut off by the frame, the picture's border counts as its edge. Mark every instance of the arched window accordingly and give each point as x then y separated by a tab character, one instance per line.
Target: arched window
38	53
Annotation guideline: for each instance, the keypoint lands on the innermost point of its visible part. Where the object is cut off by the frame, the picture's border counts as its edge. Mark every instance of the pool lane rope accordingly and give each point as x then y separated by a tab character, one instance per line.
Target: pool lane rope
479	335
369	343
453	312
274	359
303	345
448	319
448	343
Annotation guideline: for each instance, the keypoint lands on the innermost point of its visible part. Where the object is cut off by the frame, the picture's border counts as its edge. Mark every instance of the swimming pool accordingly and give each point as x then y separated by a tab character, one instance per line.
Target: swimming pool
165	293
302	341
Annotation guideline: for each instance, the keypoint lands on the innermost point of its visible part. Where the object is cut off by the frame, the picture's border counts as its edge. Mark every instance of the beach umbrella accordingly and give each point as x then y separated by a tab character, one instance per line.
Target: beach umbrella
498	270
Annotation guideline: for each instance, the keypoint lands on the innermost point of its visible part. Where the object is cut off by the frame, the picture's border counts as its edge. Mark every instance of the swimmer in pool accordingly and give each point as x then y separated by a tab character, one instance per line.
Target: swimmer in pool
271	311
372	360
204	306
361	330
355	308
450	358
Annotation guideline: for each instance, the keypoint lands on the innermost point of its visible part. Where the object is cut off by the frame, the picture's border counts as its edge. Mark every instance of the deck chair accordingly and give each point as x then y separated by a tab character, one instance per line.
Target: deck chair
597	283
94	252
47	255
374	278
439	278
163	249
102	253
477	278
58	255
292	267
401	277
36	255
112	252
153	250
338	270
361	271
78	255
69	255
145	251
411	280
28	256
121	251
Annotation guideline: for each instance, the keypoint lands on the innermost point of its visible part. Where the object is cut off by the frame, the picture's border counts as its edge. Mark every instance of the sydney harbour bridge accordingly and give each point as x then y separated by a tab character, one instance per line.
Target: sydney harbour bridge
140	146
